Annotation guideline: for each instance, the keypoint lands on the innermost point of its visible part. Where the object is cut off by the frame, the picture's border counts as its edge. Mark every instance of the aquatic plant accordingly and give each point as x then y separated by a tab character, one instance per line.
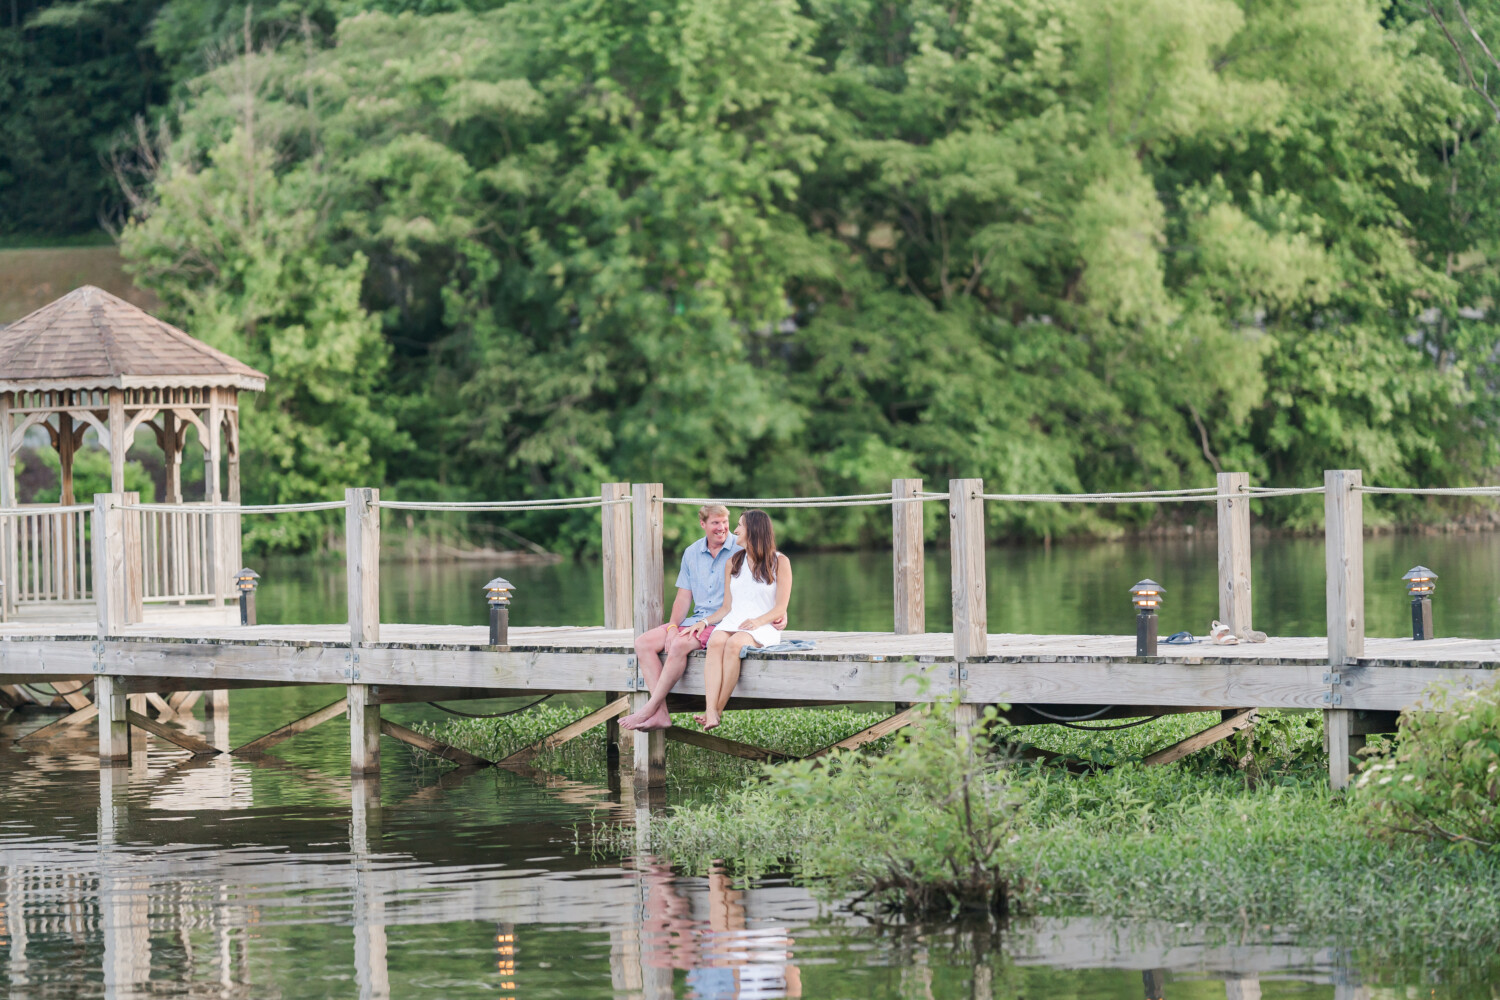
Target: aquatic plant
1440	777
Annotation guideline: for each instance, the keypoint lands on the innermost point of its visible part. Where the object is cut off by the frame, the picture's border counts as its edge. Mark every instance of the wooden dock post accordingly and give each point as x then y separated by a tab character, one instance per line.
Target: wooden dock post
970	609
1234	552
646	538
364	730
619	608
908	562
114	724
117	562
7	500
362	541
362	554
1344	530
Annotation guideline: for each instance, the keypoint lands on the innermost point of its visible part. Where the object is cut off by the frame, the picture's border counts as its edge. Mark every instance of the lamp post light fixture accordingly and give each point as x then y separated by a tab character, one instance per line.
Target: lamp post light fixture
245	583
1420	583
498	593
1147	597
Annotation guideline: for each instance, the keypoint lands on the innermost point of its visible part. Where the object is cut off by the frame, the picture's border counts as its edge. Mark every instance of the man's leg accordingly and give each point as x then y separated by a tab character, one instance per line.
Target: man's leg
648	649
654	713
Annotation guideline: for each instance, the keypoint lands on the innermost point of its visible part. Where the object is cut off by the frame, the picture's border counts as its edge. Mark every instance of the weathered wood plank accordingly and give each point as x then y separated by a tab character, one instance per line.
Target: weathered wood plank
719	744
870	734
86	714
114	728
189	742
970	608
436	747
572	730
362	559
1241	720
616	550
286	732
163	708
908	560
1234	552
650	748
1343	509
364	730
72	693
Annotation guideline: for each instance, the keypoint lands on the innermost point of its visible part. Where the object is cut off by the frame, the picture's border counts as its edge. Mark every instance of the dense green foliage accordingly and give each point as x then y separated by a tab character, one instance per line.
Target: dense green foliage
1441	777
1201	842
763	247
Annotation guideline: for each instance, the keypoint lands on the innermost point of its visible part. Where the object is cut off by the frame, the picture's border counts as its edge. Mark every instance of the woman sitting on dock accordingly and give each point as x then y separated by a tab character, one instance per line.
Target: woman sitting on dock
757	590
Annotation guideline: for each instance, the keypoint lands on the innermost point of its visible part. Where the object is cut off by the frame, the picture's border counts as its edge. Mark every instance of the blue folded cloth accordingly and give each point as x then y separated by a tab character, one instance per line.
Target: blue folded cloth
784	646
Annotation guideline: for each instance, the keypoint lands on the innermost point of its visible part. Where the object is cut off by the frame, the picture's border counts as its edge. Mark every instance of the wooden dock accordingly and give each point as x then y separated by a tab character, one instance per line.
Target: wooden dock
1357	682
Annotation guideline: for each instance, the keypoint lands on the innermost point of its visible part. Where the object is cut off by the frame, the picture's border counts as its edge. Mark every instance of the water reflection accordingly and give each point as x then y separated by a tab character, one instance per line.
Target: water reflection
175	881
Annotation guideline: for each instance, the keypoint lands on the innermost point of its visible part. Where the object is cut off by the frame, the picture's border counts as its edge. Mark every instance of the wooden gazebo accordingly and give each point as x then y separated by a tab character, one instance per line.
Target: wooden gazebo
90	359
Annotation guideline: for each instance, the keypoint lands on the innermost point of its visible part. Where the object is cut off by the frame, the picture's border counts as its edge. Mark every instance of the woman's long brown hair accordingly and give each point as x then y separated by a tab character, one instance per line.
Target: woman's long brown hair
760	545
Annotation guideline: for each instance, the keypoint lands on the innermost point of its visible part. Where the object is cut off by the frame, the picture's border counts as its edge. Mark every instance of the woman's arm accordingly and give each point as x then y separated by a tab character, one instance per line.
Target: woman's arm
717	616
783	594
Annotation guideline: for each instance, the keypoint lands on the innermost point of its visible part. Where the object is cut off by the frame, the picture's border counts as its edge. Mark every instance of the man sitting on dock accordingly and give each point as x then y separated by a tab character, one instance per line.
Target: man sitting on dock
700	585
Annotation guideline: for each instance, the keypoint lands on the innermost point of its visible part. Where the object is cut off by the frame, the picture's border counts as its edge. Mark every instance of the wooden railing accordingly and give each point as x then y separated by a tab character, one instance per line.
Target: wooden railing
48	555
178	560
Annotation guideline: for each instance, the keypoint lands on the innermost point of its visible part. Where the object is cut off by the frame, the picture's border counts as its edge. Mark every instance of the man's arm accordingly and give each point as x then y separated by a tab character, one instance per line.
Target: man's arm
680	607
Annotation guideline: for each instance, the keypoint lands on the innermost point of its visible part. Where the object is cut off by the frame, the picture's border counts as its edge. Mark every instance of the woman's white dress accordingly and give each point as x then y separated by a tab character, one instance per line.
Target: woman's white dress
749	598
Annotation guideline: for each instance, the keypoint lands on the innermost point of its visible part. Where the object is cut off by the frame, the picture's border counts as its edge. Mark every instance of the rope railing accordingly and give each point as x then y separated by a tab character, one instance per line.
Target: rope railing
846	500
479	506
232	508
1441	491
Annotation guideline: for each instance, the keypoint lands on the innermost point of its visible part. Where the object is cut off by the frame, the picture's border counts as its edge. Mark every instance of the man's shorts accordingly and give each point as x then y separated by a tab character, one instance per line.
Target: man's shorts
702	636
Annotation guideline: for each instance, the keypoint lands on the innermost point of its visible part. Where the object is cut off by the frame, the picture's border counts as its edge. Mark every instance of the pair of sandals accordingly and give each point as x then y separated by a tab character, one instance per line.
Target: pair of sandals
1218	634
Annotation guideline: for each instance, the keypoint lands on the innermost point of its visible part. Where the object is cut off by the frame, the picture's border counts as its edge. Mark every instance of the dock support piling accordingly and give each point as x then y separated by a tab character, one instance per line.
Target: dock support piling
646	544
114	725
970	609
364	730
618	598
362	556
908	562
1344	528
1234	552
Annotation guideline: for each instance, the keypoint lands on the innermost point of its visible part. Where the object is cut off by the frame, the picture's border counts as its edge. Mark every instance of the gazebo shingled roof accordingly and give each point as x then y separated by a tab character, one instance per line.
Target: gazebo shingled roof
91	339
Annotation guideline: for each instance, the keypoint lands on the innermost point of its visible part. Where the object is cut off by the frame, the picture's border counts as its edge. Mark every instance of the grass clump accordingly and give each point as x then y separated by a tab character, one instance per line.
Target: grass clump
1440	778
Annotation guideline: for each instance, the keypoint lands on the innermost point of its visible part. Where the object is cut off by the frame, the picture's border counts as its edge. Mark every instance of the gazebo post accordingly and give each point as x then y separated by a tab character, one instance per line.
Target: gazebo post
171	447
232	416
212	492
118	446
65	458
7	500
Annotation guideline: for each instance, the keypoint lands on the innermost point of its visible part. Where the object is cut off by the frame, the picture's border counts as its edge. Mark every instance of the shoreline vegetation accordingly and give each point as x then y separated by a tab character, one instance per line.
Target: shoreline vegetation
1244	835
514	249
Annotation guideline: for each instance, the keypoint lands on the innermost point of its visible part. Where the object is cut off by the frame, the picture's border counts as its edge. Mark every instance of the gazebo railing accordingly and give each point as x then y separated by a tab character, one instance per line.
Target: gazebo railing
178	559
46	554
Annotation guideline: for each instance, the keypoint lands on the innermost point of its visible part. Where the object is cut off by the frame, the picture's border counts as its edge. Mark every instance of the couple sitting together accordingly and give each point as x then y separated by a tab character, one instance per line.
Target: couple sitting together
738	587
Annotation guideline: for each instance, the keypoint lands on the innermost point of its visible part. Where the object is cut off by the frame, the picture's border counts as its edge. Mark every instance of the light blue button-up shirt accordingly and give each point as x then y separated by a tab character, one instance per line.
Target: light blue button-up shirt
703	574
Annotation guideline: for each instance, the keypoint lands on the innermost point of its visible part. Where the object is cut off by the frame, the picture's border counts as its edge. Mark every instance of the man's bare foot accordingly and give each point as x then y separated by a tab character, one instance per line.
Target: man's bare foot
711	720
661	720
634	721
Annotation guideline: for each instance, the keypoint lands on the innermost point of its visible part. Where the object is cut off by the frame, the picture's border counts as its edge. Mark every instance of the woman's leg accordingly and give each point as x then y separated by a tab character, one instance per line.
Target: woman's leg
713	672
730	670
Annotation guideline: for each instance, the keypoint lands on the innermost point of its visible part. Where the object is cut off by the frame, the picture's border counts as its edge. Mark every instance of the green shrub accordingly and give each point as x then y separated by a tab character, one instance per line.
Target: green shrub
923	828
1441	776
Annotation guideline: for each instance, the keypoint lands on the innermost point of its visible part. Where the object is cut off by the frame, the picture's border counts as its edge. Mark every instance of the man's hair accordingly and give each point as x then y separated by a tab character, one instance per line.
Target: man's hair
708	510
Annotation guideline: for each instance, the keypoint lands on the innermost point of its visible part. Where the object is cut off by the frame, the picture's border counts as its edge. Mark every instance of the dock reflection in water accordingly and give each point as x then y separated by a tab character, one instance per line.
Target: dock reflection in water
226	878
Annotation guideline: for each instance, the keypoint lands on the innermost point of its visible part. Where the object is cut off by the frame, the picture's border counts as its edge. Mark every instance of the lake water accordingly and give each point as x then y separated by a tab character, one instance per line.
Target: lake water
282	878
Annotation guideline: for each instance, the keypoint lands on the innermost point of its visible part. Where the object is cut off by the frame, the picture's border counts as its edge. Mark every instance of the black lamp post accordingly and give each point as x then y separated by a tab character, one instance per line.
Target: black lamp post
245	583
498	593
1420	583
1147	597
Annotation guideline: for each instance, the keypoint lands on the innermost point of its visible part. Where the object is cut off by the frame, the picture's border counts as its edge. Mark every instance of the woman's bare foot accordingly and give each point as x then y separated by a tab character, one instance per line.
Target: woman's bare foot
711	720
631	721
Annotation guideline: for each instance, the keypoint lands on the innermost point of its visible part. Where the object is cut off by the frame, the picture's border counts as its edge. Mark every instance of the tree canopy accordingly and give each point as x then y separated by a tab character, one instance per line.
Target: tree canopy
761	247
